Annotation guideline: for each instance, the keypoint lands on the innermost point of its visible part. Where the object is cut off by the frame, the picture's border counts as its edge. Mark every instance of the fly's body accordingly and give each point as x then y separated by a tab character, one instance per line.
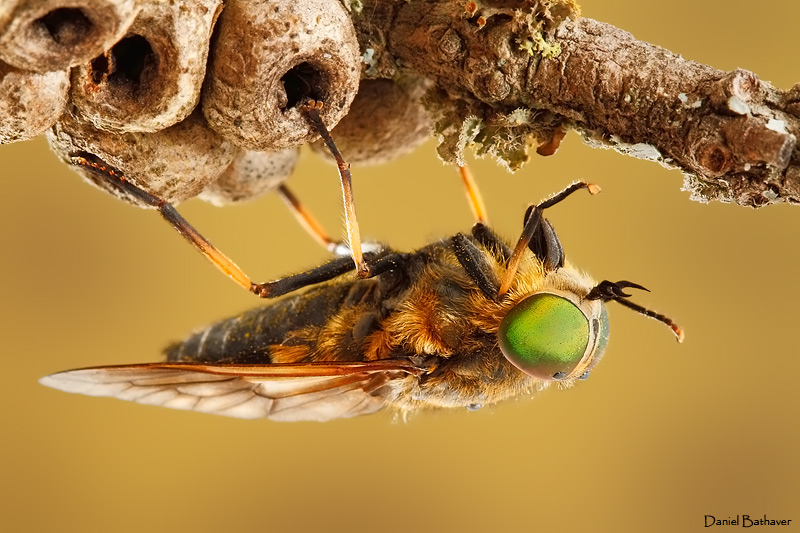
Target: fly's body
462	322
428	312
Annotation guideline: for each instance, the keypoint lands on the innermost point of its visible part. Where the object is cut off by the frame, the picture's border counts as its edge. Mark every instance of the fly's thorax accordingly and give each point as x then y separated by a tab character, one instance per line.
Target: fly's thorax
551	331
433	315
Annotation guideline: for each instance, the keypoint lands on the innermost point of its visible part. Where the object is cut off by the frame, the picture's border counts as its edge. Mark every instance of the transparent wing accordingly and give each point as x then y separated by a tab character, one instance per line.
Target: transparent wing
284	392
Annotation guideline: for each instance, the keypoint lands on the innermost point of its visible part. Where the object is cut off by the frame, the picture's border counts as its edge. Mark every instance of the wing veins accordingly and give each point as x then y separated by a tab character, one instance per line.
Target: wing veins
306	398
317	387
232	406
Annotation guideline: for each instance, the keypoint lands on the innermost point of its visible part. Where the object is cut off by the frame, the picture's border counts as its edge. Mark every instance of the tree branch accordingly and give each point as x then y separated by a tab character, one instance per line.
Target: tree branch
504	74
733	135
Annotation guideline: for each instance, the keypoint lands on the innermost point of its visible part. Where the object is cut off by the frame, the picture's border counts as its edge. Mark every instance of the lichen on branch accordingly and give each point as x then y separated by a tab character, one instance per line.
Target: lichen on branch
513	73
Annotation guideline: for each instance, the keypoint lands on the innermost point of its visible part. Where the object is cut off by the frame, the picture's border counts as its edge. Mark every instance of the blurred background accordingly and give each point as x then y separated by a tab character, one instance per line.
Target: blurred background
659	436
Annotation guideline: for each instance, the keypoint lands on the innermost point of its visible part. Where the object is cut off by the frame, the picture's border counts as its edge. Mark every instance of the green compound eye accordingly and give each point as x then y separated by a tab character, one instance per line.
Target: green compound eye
545	336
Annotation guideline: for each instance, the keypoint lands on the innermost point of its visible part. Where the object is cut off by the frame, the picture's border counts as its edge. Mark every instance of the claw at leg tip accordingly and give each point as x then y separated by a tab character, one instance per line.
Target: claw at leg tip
678	333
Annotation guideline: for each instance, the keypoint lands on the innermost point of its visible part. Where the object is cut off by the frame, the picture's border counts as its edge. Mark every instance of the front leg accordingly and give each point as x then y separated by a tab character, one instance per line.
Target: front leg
476	265
485	236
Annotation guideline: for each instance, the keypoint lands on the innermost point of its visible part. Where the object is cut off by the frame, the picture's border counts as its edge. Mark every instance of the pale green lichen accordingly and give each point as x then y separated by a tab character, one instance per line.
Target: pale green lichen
532	21
537	21
506	137
454	138
535	44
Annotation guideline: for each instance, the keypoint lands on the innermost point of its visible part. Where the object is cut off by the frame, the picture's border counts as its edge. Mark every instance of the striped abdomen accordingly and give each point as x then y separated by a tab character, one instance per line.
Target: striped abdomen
288	325
246	338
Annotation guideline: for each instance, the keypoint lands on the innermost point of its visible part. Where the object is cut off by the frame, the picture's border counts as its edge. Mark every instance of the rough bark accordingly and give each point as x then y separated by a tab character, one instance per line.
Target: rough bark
505	74
733	135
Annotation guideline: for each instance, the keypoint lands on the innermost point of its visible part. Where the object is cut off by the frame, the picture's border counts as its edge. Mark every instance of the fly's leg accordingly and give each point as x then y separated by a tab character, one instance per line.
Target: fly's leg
492	242
306	219
473	195
325	272
379	262
481	230
314	228
382	262
311	109
387	262
476	265
117	180
545	243
537	226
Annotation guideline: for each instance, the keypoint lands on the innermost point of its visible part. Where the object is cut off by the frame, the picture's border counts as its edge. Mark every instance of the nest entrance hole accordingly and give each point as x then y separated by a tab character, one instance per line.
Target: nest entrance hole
126	65
301	82
68	26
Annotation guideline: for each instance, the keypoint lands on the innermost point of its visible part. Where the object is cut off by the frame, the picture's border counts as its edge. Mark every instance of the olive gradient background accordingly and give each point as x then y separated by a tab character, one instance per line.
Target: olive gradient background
659	436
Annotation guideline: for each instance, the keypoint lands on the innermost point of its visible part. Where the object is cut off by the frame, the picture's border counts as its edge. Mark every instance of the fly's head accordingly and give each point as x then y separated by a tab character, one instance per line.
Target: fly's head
559	330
